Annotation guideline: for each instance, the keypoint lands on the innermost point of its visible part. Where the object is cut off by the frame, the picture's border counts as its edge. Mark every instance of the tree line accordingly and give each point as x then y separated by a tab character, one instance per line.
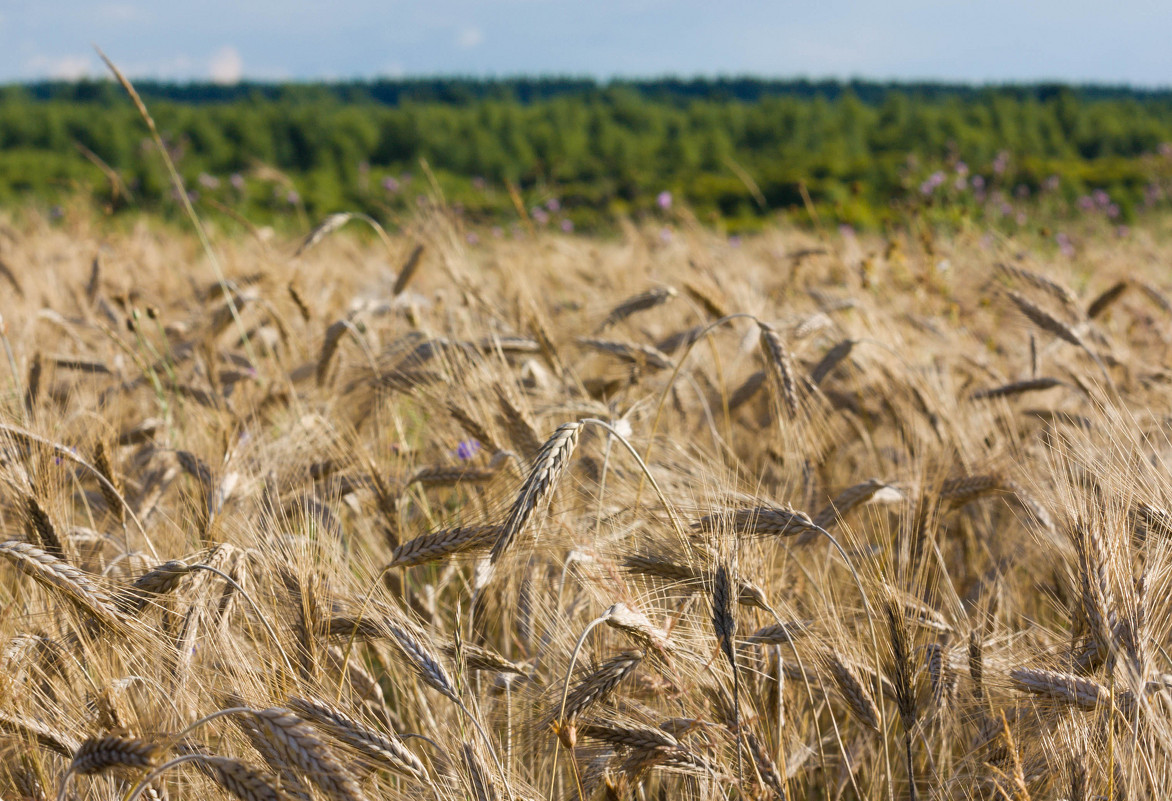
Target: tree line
735	149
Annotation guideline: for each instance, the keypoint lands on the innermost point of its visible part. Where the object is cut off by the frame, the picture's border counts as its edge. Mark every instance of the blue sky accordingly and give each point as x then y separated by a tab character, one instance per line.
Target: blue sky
1124	41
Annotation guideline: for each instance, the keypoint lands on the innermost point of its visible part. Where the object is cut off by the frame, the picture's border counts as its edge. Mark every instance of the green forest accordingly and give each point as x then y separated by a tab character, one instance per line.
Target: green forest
578	154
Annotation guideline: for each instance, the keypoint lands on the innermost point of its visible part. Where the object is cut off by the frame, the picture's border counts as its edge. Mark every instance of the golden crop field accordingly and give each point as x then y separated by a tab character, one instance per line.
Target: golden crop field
648	517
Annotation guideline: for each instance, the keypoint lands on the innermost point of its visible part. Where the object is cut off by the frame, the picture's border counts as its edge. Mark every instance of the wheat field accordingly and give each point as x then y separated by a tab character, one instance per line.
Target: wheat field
554	517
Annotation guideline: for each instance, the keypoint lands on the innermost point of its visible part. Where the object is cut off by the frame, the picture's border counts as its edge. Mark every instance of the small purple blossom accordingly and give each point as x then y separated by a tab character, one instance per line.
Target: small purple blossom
1064	244
292	197
1086	203
932	182
390	185
237	181
978	182
663	200
1112	211
567	226
1052	184
472	239
467	449
1001	163
540	215
1101	198
553	204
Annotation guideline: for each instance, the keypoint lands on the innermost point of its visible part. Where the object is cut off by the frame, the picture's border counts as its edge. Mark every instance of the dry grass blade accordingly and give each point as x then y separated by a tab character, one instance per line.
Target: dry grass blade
547	468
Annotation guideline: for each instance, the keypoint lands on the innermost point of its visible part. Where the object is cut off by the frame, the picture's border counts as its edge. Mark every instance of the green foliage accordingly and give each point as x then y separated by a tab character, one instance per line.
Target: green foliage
858	148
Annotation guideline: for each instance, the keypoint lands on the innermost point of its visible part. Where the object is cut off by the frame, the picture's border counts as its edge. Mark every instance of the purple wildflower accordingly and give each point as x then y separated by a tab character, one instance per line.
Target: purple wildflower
663	200
467	449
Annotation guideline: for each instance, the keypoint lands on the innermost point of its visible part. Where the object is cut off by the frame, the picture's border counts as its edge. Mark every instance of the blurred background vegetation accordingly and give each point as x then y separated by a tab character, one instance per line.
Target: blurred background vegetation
577	154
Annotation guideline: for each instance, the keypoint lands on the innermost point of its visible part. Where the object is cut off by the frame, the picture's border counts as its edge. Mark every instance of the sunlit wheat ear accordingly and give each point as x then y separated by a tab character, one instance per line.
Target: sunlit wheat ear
547	468
778	633
834	357
28	729
1055	290
707	297
477	657
100	754
844	502
780	366
479	778
444	542
433	673
1047	321
323	229
235	777
597	686
747	390
637	303
638	627
1075	690
408	270
158	581
294	740
329	347
111	488
63	579
852	691
1017	388
630	352
41	529
777	521
384	749
766	767
518	426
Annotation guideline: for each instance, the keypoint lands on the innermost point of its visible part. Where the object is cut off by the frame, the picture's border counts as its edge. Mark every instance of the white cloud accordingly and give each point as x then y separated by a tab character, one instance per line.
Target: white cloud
469	38
226	66
59	68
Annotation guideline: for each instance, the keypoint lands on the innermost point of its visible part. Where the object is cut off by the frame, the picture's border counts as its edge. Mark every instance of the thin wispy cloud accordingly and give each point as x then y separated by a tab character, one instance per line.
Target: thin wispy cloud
998	40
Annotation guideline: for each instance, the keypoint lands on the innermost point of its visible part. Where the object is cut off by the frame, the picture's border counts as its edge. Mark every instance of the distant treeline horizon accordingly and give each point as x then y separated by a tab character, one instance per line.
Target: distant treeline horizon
458	89
578	152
